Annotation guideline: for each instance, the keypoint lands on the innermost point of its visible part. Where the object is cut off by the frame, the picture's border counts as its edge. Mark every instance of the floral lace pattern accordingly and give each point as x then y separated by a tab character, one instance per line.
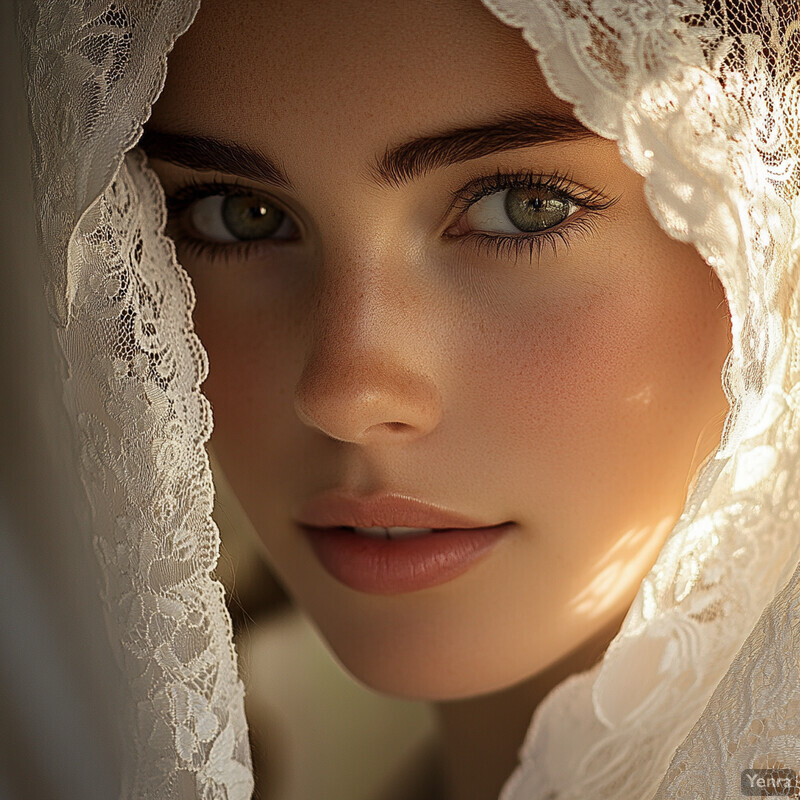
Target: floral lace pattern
699	684
132	365
143	424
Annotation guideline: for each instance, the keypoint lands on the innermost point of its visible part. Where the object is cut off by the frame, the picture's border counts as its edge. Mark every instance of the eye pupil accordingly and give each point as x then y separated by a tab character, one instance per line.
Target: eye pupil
535	209
249	217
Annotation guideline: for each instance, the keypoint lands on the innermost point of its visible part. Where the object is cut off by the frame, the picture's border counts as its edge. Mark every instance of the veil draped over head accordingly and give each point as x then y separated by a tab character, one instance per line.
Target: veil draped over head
703	680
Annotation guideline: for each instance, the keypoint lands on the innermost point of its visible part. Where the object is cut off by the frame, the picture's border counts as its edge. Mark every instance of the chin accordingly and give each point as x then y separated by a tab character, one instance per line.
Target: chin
421	685
428	671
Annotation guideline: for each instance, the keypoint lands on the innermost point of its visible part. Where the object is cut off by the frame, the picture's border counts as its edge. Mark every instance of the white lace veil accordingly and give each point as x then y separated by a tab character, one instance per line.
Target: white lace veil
130	367
703	680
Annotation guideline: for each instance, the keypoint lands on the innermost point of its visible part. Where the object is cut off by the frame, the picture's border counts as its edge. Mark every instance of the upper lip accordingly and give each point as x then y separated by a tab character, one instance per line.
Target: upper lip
337	509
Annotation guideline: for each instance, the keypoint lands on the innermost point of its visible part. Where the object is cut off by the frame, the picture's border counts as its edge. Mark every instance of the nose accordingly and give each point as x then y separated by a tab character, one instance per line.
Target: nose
367	374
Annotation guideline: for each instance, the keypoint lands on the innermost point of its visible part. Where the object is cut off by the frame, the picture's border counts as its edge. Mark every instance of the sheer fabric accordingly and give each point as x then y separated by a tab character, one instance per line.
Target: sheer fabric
56	690
703	680
131	367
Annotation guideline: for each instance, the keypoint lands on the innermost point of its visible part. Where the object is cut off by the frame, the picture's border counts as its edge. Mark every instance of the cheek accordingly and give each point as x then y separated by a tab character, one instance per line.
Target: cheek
248	384
597	401
604	394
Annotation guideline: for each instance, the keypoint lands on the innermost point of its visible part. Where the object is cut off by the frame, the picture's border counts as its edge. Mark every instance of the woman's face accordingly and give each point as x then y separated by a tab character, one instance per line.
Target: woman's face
505	333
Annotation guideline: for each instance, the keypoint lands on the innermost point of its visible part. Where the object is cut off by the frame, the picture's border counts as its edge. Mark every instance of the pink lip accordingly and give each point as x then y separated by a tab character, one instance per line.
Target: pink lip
335	509
385	566
391	566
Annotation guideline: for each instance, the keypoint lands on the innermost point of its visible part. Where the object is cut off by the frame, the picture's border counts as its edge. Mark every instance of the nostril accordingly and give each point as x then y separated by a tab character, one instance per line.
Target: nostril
396	426
367	401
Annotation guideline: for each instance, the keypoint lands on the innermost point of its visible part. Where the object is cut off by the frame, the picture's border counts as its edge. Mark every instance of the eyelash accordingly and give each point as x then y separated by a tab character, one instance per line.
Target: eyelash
178	202
591	202
560	184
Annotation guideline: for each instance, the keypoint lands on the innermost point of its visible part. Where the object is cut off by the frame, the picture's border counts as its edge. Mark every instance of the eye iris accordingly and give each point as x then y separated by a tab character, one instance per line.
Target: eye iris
535	209
250	217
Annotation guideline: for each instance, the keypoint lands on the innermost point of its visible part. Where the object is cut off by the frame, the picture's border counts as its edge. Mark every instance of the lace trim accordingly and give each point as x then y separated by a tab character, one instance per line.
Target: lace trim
135	369
132	367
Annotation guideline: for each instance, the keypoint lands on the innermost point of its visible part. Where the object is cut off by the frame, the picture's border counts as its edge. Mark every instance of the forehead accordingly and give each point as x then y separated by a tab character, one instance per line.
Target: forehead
353	75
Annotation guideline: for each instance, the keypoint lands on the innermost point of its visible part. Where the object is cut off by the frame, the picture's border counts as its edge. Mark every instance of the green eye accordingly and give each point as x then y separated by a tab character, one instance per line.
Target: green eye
239	217
519	210
249	217
534	210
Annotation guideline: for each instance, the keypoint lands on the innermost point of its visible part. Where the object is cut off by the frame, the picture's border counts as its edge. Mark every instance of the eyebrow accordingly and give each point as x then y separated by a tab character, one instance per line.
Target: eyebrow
398	165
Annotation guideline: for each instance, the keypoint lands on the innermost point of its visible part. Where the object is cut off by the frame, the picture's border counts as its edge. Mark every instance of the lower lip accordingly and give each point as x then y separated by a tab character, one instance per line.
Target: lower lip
392	566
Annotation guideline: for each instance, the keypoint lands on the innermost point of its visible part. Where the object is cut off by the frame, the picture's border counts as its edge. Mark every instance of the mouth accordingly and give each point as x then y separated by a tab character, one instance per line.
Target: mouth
388	543
397	559
383	515
393	532
396	532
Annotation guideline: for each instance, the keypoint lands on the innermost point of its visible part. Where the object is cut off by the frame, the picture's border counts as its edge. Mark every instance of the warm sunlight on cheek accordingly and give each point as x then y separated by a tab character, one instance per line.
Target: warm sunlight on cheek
600	395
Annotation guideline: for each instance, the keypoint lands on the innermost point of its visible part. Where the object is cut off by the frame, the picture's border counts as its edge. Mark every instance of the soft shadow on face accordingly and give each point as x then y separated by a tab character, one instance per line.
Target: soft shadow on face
572	386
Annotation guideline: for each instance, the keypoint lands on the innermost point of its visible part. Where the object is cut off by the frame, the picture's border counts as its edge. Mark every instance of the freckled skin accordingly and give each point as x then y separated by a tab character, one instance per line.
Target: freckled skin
576	396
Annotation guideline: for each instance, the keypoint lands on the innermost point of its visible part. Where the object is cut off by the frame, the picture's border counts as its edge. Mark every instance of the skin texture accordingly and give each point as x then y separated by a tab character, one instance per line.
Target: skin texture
575	394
